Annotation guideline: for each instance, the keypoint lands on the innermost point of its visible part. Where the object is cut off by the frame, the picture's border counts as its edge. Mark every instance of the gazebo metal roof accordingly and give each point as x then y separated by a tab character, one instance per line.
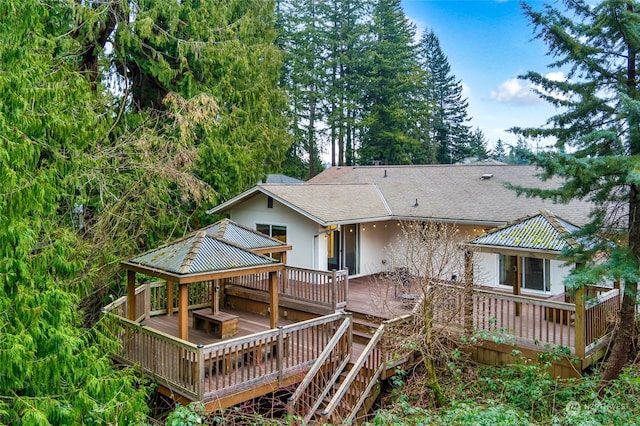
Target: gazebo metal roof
541	231
200	252
242	236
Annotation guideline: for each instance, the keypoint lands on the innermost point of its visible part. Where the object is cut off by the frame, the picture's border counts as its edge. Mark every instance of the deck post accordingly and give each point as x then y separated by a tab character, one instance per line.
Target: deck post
579	324
468	292
169	298
147	300
518	287
131	295
334	302
200	370
183	311
280	357
273	299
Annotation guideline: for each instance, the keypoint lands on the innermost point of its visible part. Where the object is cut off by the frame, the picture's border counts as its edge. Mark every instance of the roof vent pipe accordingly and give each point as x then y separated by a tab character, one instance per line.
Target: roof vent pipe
416	204
385	173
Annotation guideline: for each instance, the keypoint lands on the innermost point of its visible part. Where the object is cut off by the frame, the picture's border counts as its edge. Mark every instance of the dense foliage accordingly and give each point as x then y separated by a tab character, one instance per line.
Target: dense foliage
597	143
118	120
520	394
361	88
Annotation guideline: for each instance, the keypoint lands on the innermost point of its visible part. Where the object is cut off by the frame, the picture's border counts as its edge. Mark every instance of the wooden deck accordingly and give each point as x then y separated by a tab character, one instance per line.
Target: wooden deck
248	323
259	360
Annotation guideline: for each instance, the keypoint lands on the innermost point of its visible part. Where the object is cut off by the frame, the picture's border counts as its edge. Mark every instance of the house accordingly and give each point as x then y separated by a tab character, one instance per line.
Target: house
345	217
233	314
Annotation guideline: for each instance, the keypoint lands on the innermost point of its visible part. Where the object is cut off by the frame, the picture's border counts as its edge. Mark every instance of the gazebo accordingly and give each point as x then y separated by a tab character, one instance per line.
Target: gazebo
220	251
536	239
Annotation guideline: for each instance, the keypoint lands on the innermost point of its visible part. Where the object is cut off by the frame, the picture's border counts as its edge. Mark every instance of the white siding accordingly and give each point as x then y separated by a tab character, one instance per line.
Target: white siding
300	230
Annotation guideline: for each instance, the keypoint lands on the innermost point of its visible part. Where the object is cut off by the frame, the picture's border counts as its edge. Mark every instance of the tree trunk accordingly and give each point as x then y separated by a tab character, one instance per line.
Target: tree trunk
624	333
428	361
623	338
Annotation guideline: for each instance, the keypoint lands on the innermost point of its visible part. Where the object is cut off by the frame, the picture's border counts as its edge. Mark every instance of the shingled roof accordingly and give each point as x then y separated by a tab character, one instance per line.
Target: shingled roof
469	193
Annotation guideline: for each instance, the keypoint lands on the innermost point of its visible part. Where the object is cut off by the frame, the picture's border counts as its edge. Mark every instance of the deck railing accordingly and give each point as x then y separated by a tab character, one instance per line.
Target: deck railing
527	320
320	379
329	288
214	371
600	315
151	299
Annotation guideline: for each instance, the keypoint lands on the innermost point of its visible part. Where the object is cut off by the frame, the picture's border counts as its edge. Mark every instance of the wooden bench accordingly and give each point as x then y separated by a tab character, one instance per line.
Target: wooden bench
222	324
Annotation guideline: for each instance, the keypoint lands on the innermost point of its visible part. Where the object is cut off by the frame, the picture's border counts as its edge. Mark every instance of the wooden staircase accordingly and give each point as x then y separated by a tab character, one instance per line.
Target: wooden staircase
344	394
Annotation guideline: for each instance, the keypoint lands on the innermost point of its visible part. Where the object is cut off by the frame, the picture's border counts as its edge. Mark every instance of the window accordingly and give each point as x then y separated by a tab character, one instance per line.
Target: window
278	232
535	274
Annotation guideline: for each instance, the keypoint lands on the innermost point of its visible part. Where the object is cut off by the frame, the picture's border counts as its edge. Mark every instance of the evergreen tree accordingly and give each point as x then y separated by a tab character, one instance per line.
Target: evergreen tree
478	145
393	83
304	38
221	48
599	122
345	33
53	370
520	153
499	152
447	124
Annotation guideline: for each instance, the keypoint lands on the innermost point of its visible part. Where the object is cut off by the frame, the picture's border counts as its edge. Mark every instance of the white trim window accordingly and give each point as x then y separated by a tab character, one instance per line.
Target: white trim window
535	274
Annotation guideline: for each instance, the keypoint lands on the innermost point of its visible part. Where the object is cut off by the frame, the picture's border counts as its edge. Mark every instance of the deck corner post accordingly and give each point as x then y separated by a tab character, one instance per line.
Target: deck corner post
273	299
131	295
280	357
579	324
200	370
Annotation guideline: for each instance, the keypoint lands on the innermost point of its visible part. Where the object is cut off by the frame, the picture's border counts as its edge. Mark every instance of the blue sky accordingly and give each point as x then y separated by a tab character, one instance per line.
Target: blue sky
488	44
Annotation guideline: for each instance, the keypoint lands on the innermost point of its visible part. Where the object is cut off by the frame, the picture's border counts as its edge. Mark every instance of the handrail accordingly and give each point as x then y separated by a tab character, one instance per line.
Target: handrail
316	374
591	302
326	288
370	353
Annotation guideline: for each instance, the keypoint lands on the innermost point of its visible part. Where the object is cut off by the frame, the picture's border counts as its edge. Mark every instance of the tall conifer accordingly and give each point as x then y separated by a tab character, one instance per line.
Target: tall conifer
393	81
448	127
598	142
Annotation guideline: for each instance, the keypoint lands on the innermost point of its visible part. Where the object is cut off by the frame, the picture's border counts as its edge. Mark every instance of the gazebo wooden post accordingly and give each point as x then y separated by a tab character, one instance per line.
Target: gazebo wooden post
169	298
273	299
518	287
131	295
215	303
183	311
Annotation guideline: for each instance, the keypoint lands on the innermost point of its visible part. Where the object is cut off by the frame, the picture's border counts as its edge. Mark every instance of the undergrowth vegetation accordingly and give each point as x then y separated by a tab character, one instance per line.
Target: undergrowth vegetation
519	394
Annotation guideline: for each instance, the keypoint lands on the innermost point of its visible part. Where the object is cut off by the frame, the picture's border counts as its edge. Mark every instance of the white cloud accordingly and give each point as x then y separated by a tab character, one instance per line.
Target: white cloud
515	91
466	91
521	92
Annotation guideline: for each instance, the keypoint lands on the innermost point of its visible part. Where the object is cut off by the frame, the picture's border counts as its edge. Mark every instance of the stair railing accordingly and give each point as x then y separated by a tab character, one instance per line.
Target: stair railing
357	385
323	374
